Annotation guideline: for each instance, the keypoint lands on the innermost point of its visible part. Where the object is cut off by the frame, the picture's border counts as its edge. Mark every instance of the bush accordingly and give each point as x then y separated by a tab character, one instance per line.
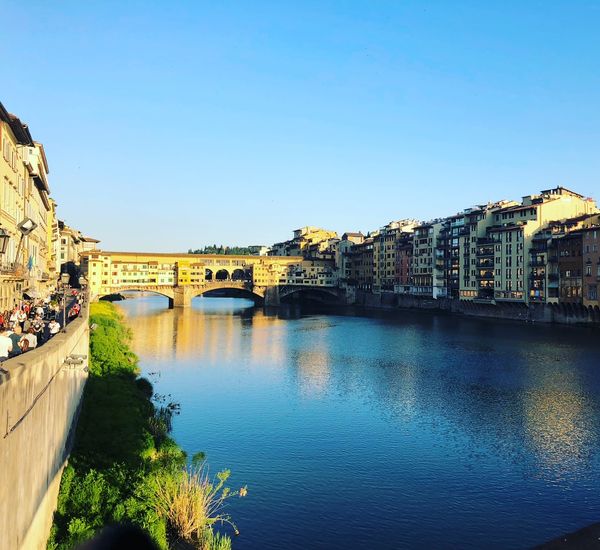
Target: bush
124	466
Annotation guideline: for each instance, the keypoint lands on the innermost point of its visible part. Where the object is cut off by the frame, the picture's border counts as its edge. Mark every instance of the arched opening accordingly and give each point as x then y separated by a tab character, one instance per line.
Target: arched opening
129	293
222	275
309	294
230	293
208	275
237	275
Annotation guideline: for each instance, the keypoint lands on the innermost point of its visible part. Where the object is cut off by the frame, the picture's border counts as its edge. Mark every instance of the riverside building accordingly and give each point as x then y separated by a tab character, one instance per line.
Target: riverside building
29	229
385	247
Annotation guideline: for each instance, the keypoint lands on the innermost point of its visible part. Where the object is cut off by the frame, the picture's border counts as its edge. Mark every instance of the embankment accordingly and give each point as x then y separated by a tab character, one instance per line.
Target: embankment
39	399
121	444
568	314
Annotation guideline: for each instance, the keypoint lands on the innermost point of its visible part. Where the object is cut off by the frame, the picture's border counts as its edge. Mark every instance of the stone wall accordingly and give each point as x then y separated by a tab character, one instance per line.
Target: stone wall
538	313
39	400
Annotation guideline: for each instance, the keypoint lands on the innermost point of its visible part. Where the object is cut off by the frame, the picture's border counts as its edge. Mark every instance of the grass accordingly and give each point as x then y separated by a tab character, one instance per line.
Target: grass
122	448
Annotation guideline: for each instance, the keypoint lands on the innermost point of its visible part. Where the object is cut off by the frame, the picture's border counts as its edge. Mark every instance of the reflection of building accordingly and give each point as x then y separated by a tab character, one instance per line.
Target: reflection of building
557	428
180	334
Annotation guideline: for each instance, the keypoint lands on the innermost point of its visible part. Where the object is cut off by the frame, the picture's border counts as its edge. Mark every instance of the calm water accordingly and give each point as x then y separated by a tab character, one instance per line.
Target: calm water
378	432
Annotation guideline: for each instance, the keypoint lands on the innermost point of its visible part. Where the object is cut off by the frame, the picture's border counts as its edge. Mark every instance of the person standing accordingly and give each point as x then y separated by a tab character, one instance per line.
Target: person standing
5	345
21	318
53	327
31	340
38	327
15	336
14	317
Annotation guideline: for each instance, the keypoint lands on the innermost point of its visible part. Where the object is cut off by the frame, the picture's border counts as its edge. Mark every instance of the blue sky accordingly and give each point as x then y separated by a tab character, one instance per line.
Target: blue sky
171	125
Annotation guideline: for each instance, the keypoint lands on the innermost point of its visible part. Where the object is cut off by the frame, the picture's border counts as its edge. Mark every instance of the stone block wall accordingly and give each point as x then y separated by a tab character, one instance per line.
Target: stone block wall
39	401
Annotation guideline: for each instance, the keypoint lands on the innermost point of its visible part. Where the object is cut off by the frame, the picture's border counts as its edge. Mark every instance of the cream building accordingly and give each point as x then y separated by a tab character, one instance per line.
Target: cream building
24	212
507	254
426	278
385	246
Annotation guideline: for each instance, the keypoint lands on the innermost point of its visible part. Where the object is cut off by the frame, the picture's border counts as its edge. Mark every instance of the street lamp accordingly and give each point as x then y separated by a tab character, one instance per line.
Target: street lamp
4	238
64	280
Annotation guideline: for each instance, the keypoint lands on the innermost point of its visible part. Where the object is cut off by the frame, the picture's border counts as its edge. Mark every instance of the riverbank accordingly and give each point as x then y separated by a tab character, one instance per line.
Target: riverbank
123	457
563	314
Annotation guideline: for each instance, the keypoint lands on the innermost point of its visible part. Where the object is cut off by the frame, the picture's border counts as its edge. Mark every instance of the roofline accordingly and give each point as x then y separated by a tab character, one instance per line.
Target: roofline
186	255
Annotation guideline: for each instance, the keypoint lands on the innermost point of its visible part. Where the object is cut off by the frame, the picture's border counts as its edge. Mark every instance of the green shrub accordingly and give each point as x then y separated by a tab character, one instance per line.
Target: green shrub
122	451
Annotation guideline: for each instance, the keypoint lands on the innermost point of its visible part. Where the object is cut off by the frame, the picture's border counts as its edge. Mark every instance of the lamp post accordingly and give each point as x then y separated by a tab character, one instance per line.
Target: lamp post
64	280
4	238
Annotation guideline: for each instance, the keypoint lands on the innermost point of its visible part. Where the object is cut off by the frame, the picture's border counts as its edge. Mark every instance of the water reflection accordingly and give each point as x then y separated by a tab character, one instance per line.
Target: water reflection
479	425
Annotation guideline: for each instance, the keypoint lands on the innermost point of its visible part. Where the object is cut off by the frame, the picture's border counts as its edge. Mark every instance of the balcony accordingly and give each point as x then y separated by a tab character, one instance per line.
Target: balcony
12	269
553	277
485	253
487	240
537	262
484	263
487	276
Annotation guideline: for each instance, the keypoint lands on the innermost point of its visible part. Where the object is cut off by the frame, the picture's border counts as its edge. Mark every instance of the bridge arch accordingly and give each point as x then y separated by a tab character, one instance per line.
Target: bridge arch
208	274
222	275
238	275
165	292
323	294
229	291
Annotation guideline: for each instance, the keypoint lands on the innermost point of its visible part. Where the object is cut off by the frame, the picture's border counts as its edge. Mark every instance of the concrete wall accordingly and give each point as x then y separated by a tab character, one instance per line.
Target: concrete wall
39	398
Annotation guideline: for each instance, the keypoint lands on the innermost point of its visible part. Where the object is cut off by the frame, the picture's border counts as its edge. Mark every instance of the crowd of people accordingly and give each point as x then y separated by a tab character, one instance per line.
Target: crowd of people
34	322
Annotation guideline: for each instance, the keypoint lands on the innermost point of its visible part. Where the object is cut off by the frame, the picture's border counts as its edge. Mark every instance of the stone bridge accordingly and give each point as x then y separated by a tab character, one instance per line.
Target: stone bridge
269	296
181	277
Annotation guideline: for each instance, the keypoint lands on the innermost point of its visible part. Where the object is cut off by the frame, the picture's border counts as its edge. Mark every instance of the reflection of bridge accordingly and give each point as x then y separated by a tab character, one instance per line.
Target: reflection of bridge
181	277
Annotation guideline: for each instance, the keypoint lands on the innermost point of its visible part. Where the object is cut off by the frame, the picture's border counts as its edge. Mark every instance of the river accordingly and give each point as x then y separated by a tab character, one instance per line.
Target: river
382	432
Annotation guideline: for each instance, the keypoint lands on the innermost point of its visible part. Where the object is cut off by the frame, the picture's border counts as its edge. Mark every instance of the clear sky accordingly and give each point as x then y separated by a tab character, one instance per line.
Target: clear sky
176	124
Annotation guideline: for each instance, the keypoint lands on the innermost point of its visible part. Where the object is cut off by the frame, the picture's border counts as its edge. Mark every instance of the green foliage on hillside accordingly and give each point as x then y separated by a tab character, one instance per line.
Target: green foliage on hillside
122	450
225	250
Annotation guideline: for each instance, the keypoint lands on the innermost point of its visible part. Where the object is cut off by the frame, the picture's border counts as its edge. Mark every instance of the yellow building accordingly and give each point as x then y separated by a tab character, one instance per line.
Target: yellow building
30	261
23	212
308	241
